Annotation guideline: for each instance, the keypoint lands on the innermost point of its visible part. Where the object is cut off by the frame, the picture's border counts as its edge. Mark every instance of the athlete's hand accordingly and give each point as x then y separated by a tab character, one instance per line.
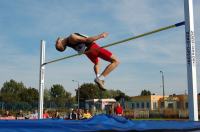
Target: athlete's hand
104	34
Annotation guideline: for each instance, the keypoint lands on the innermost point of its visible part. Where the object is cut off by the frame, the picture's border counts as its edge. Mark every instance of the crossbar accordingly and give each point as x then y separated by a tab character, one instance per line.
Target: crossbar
120	42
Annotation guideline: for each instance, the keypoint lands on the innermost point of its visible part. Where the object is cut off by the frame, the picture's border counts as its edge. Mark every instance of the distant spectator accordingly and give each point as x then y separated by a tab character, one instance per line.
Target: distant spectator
35	115
45	114
29	115
7	114
110	112
20	115
93	110
68	115
86	114
79	114
118	110
72	115
57	115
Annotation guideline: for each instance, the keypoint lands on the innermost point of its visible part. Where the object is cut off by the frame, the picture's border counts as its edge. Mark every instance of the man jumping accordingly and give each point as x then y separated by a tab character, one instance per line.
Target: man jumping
88	46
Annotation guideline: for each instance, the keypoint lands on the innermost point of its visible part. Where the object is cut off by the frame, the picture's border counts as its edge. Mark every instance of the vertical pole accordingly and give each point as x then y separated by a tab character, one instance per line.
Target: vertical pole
78	96
41	80
78	92
163	86
191	60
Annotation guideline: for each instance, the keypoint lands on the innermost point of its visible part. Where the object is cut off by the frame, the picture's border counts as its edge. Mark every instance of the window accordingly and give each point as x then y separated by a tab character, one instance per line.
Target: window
142	105
170	105
178	105
154	105
162	104
186	105
133	105
147	105
138	105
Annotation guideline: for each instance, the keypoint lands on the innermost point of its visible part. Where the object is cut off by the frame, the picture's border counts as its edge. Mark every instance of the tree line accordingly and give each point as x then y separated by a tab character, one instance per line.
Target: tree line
15	95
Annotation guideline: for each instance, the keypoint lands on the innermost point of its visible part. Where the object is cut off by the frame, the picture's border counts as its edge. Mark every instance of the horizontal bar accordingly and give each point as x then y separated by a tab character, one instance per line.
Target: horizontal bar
121	41
180	24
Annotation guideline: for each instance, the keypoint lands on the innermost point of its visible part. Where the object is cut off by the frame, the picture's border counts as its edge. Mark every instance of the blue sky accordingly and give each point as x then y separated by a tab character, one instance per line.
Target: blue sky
24	23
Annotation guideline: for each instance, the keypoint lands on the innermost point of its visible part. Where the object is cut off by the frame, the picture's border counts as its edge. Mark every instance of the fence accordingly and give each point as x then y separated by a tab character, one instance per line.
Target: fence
166	113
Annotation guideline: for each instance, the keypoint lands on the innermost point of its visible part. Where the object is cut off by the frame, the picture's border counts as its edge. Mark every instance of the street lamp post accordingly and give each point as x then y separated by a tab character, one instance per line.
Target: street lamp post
77	91
163	86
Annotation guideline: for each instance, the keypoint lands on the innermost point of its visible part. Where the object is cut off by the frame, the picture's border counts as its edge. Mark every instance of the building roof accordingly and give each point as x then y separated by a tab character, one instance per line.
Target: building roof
102	100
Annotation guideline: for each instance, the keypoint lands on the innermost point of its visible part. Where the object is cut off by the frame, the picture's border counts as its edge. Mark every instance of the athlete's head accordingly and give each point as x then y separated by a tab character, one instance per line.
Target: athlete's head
60	46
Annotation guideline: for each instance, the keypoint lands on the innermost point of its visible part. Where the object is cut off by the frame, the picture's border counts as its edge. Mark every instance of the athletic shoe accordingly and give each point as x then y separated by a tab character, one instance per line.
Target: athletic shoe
100	84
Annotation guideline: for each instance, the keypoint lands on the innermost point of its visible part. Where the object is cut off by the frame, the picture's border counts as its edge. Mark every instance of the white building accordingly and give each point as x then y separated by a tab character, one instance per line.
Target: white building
101	104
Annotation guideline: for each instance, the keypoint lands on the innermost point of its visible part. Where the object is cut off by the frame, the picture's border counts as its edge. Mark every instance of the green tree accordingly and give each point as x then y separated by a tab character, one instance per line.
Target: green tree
57	91
88	91
47	95
69	99
117	94
10	91
29	95
91	91
145	92
59	96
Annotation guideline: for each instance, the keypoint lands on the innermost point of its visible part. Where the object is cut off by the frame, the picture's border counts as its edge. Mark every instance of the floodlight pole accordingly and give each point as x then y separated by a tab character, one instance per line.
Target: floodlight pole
191	60
78	92
163	86
41	80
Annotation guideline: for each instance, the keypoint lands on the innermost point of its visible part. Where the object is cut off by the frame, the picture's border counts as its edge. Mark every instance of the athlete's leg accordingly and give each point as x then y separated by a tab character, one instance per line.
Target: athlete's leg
114	62
99	82
106	55
93	56
97	68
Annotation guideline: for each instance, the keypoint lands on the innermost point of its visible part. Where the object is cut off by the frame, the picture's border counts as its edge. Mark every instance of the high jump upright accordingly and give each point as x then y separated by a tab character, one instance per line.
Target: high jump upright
191	60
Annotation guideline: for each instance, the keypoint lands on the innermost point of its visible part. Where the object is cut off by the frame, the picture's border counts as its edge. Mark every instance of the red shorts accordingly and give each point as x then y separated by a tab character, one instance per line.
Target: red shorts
100	52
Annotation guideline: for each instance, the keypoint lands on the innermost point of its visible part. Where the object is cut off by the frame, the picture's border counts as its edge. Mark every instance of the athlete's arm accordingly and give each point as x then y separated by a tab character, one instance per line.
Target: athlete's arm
91	39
